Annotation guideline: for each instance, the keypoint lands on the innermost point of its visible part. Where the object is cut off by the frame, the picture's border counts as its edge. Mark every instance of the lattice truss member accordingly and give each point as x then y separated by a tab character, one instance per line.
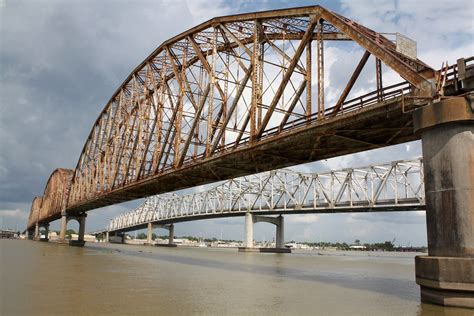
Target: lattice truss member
228	83
389	187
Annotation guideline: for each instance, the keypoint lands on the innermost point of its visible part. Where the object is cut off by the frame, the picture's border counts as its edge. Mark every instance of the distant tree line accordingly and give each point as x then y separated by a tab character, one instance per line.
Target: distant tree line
382	246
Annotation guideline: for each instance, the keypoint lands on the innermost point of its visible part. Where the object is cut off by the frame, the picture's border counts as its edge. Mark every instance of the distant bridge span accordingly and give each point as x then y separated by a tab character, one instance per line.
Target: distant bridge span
396	186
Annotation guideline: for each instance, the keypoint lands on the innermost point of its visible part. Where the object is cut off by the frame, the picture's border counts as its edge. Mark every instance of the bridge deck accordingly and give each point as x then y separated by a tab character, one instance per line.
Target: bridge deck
382	124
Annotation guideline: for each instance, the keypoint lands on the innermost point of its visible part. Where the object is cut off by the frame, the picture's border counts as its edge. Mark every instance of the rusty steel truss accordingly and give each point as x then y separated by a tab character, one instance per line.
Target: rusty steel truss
238	95
396	186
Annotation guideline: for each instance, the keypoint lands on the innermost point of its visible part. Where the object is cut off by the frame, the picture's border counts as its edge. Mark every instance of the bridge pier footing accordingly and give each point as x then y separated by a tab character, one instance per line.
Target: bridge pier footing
250	219
446	275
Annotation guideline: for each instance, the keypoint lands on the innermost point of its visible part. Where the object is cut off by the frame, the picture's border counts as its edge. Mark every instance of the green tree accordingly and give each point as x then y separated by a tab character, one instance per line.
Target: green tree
142	236
69	232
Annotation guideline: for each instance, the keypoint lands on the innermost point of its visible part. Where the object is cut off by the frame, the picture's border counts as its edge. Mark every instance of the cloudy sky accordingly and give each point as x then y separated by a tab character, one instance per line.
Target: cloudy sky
60	61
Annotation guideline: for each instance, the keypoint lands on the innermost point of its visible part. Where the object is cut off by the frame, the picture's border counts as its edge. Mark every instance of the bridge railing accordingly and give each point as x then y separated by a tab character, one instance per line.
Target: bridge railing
387	187
389	92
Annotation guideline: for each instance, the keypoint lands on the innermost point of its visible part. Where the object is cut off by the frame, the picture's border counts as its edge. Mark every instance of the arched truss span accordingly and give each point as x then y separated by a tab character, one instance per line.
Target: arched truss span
34	211
228	84
221	86
397	186
53	202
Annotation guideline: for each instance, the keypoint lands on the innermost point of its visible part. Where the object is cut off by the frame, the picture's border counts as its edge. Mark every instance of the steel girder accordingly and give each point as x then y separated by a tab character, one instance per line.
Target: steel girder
396	186
218	86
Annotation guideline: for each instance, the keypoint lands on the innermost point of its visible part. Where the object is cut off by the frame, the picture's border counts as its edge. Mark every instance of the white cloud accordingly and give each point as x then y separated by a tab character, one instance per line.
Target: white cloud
14	213
302	218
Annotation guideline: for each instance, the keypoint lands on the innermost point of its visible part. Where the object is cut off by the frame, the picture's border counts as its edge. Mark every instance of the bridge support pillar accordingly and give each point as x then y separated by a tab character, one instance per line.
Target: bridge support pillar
171	234
279	238
446	275
46	233
106	237
248	242
80	242
149	238
63	229
37	232
280	233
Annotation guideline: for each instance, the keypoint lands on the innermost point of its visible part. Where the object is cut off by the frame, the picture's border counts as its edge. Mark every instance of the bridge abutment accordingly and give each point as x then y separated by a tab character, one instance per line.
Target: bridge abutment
446	275
250	219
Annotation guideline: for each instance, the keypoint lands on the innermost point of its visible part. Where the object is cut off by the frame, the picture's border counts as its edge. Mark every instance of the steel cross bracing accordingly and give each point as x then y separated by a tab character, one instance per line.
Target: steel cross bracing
220	85
396	186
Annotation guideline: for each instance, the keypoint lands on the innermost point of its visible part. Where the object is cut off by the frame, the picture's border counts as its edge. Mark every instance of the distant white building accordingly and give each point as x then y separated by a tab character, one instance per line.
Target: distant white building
358	247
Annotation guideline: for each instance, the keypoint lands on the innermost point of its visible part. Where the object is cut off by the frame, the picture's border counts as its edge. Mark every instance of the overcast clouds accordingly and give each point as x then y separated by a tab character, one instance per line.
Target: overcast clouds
60	61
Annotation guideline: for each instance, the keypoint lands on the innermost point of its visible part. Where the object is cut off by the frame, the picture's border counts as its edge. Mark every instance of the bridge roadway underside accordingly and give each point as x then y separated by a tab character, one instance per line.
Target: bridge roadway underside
353	209
382	124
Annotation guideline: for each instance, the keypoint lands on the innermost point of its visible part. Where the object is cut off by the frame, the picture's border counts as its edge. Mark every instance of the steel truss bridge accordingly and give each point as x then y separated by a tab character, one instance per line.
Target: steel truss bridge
234	96
397	186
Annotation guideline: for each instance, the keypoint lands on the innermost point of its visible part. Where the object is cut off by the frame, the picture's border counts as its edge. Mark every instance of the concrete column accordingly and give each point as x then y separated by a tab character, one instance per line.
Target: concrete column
82	227
37	232
171	234
446	275
106	237
123	238
46	233
248	242
149	233
62	232
280	233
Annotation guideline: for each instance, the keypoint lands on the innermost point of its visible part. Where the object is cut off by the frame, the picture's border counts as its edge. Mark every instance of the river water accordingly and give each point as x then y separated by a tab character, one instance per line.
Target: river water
50	279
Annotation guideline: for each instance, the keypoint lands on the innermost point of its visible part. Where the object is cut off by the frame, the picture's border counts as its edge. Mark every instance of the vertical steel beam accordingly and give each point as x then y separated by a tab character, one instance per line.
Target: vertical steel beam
320	44
256	88
308	80
378	75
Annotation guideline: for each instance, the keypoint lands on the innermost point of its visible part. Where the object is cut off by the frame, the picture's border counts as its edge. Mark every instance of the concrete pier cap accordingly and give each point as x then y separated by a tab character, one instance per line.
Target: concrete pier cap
446	275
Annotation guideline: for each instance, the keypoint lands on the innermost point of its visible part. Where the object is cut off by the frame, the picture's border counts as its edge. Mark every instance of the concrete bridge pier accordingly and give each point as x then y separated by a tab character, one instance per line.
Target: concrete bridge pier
446	275
170	228
36	236
248	242
63	229
46	233
80	242
150	234
106	237
279	239
171	234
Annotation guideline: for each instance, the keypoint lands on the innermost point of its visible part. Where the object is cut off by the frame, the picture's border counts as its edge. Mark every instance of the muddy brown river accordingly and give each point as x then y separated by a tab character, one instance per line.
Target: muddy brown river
48	279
